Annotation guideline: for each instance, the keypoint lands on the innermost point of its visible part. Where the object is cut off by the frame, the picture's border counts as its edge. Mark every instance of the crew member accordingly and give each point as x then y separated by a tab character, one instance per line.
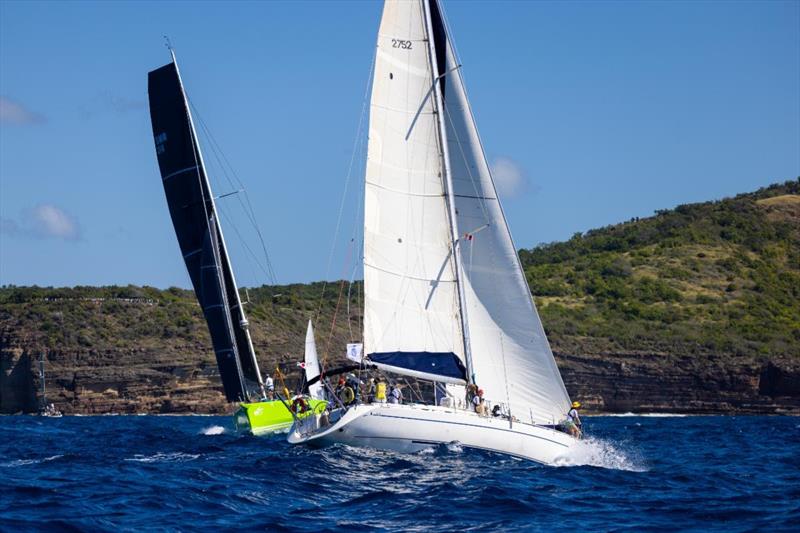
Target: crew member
354	383
574	421
478	403
395	395
380	392
472	390
269	386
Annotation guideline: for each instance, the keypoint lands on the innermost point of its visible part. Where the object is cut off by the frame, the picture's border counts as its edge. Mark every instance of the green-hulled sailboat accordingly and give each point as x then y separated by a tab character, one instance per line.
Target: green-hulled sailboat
273	417
197	227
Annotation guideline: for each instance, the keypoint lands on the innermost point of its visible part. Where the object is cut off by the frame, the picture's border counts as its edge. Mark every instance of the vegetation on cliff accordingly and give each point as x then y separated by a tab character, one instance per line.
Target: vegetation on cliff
718	277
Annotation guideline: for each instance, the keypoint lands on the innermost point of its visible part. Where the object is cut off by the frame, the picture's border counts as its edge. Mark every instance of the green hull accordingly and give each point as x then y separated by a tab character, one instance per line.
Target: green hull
263	418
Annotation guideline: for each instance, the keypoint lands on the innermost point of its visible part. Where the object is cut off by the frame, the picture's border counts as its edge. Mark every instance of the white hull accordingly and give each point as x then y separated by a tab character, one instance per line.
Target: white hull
411	428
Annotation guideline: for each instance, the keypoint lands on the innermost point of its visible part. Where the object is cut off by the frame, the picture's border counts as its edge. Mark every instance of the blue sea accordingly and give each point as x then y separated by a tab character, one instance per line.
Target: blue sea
635	473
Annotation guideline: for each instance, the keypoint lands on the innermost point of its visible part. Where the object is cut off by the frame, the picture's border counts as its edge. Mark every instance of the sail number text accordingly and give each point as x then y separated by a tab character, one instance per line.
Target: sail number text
399	43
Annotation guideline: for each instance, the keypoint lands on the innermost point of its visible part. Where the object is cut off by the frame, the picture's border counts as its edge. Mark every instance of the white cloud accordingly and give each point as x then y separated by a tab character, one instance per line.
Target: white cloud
43	221
107	102
509	178
47	220
12	112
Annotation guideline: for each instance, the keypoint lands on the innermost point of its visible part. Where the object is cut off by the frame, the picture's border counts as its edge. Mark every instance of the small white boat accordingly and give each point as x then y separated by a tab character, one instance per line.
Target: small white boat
45	409
445	296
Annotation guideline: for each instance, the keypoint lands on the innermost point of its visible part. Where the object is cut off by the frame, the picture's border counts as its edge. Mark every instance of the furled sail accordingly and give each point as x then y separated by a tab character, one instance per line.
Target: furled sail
412	323
191	206
511	357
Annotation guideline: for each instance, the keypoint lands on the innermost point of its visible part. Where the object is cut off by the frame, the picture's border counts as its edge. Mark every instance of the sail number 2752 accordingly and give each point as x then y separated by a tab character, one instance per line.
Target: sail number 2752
399	43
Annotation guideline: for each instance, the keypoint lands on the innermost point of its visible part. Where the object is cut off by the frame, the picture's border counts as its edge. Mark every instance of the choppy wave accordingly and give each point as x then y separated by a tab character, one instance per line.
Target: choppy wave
186	473
27	462
163	457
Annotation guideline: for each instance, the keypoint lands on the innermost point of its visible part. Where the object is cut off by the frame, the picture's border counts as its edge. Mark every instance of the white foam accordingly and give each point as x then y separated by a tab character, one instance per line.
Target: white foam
648	415
213	430
602	454
164	457
454	447
24	462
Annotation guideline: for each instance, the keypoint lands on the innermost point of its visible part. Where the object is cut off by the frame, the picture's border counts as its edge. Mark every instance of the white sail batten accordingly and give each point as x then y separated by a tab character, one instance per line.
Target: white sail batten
411	315
311	364
511	357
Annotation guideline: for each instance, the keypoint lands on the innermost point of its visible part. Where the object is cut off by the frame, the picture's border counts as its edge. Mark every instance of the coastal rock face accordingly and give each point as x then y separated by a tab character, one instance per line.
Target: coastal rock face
17	385
186	381
642	383
126	350
110	382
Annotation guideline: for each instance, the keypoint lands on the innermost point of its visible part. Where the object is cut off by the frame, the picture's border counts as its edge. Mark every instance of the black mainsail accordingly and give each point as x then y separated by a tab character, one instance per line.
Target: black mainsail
194	216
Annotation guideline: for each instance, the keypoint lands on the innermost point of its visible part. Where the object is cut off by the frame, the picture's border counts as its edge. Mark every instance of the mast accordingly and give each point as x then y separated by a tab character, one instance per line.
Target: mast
242	319
41	377
442	131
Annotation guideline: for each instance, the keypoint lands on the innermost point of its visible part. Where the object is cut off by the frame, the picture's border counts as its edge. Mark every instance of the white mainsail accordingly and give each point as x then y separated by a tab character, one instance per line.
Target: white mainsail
511	357
311	364
411	309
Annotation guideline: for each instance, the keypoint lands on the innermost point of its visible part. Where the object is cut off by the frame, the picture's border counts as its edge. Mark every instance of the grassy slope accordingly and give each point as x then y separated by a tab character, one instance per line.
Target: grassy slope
717	278
146	319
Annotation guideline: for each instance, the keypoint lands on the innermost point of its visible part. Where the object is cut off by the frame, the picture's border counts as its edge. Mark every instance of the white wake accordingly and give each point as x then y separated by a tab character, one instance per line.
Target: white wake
213	430
602	454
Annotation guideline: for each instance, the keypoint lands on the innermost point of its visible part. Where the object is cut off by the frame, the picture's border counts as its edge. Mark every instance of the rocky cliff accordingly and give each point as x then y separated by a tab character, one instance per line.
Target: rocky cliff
142	350
183	379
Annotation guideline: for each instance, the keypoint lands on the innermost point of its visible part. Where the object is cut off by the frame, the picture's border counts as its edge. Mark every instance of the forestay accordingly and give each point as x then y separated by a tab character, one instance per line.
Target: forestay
194	217
412	322
511	357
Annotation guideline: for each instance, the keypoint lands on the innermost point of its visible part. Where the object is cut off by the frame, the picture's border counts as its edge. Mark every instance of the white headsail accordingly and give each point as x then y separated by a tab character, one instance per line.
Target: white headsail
311	364
411	317
511	356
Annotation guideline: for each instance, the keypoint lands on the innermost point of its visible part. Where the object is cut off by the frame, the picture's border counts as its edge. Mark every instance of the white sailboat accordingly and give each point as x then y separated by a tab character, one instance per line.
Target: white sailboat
45	408
445	296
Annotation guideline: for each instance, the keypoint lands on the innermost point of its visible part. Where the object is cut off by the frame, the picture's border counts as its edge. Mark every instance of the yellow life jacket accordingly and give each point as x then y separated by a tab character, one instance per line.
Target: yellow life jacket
380	391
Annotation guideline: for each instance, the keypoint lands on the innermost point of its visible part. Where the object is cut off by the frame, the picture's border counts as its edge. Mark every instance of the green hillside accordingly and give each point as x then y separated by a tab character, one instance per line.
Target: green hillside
718	278
146	319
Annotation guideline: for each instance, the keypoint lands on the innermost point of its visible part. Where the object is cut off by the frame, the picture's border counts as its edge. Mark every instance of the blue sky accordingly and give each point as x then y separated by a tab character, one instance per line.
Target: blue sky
591	112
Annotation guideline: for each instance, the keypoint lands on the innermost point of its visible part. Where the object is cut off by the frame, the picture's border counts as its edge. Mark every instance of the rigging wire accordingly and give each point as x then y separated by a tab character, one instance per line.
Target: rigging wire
358	139
357	237
247	206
